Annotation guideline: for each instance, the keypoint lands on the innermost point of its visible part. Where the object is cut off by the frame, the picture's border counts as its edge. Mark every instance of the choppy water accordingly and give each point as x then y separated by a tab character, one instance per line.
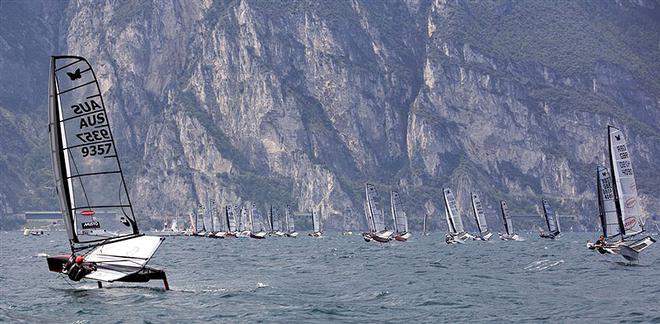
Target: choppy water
342	279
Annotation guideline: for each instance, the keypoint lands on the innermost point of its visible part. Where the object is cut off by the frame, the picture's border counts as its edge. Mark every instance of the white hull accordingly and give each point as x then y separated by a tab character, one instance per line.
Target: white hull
507	237
294	234
315	234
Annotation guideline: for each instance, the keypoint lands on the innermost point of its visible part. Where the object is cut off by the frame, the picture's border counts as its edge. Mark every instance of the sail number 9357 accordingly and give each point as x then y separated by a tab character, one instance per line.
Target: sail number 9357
95	135
97	149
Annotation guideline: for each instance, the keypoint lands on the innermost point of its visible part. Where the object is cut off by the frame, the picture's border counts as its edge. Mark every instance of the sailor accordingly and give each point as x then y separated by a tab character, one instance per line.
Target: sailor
78	270
600	242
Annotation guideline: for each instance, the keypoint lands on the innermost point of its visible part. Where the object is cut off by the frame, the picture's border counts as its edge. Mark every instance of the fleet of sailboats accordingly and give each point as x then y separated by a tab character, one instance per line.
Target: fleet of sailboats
107	245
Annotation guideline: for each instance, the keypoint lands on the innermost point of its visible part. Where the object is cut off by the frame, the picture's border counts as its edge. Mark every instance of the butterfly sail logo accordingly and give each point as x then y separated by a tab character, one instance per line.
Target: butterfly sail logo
75	75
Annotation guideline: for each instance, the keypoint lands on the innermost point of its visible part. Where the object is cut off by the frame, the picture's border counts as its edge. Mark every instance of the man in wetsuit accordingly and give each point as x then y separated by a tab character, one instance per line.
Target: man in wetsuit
77	270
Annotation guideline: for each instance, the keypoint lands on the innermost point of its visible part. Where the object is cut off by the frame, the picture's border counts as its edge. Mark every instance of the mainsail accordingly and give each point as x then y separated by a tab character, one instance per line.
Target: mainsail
551	220
506	215
231	219
398	214
479	214
607	208
374	208
89	179
454	220
625	189
367	215
290	224
316	222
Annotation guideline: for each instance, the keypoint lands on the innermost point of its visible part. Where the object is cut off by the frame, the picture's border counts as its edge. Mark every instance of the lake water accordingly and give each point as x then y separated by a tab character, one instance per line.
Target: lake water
341	279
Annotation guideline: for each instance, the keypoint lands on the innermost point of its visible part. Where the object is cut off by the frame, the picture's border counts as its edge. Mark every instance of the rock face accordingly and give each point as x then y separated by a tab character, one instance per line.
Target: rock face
302	102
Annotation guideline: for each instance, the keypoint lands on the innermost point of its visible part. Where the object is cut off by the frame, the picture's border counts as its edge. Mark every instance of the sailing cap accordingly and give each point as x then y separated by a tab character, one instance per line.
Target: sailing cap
80	259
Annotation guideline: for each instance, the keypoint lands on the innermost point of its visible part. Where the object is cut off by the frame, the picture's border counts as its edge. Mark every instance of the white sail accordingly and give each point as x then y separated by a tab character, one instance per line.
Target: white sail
551	221
625	188
89	179
367	215
609	218
398	213
274	219
479	214
453	216
290	224
316	222
374	208
506	216
232	226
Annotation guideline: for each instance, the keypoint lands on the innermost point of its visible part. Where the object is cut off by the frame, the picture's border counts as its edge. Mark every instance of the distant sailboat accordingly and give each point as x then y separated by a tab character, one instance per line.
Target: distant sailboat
379	232
509	234
622	191
316	222
551	221
274	222
261	234
290	223
480	218
455	231
399	217
106	243
230	219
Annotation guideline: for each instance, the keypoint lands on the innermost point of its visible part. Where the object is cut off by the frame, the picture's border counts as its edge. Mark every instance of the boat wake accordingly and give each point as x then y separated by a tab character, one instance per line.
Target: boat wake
543	265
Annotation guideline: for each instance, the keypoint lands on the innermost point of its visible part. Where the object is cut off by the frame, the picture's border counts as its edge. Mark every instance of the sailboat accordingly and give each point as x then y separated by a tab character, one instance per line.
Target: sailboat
200	213
425	226
621	193
254	234
510	235
244	230
230	220
290	225
379	232
274	222
480	218
455	231
399	217
551	221
316	222
104	237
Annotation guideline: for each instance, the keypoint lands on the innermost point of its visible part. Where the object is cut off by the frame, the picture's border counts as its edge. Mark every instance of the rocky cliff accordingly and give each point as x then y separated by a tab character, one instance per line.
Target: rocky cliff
302	102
